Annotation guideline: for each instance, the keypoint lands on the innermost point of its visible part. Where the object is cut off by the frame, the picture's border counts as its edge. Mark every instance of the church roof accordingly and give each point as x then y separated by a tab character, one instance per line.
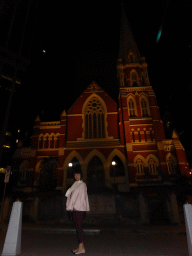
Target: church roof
127	41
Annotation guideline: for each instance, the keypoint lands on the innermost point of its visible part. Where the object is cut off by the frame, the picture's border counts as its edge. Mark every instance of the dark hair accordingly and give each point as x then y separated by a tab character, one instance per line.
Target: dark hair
78	172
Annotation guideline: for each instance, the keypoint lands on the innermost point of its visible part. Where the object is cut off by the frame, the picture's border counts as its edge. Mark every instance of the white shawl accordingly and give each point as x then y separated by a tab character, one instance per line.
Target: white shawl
72	188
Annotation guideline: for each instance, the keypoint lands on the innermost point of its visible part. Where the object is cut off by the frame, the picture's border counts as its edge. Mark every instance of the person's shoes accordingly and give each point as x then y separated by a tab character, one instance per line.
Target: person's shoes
74	251
83	251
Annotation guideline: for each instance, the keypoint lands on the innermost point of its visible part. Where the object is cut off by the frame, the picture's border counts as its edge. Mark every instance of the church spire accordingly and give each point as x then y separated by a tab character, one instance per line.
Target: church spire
128	51
131	67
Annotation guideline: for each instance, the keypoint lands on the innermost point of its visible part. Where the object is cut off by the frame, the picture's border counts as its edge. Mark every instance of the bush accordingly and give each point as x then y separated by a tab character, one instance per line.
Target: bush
48	174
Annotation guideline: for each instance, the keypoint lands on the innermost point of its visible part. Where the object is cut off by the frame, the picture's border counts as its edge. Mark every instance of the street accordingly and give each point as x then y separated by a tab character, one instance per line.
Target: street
105	243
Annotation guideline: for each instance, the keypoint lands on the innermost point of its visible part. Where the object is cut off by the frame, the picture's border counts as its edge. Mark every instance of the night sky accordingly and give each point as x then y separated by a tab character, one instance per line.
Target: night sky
76	43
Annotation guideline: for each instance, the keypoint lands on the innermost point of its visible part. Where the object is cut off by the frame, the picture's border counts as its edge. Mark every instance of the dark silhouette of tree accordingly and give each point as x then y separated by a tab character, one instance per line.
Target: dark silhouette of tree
48	174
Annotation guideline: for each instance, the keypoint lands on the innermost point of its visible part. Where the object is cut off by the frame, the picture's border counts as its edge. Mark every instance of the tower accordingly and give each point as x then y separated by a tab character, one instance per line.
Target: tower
153	161
141	127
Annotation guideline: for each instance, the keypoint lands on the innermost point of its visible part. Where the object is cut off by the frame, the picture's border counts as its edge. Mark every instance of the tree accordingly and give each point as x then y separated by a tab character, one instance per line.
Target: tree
48	174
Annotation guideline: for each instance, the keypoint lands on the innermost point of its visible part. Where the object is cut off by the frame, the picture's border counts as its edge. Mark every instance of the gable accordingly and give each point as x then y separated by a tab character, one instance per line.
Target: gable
93	90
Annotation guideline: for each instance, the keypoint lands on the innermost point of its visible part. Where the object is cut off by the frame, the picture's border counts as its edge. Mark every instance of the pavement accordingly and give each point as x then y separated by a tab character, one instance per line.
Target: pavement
60	239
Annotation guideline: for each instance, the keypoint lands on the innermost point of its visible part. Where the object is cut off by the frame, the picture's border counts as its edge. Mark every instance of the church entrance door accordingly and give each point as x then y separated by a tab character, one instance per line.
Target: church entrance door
95	176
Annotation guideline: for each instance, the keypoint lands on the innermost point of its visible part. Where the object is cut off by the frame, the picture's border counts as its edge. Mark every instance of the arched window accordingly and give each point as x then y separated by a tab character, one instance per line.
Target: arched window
117	167
139	135
131	57
57	142
132	108
94	119
134	79
144	107
73	166
41	142
140	170
52	142
151	135
46	142
152	167
145	135
133	136
171	166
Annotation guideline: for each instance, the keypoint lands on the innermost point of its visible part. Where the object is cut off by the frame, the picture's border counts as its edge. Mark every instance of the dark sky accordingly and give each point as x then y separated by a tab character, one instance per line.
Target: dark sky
82	43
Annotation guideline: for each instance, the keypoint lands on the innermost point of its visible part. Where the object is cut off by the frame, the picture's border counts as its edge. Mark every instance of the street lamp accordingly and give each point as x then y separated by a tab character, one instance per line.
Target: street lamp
70	170
114	170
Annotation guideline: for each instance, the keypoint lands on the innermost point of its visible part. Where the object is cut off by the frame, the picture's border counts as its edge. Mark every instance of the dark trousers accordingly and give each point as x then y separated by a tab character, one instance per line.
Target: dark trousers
78	218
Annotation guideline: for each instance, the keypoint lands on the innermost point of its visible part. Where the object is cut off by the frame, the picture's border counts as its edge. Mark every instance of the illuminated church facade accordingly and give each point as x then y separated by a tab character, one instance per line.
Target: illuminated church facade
116	145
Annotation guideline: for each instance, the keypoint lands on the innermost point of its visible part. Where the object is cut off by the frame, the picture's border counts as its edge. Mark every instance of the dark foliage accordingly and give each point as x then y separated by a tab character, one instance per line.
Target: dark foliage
48	174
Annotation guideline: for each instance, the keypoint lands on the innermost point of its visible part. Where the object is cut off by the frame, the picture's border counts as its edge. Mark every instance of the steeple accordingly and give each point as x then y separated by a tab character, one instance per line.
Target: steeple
131	67
127	45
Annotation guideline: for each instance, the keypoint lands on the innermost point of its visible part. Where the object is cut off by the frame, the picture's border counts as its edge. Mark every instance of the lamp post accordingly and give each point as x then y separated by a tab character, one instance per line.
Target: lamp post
113	163
70	170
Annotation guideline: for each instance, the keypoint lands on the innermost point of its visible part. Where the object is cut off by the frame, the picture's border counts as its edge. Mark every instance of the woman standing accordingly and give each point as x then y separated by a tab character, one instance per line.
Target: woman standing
77	201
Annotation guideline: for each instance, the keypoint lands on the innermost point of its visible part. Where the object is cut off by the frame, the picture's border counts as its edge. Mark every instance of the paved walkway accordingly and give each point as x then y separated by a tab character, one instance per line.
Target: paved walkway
59	240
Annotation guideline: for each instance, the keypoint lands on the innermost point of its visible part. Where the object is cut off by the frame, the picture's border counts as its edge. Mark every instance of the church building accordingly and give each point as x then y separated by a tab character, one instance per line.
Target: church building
118	146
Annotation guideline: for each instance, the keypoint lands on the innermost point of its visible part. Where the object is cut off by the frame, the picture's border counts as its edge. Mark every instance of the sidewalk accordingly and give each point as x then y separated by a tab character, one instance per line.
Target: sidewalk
90	228
59	240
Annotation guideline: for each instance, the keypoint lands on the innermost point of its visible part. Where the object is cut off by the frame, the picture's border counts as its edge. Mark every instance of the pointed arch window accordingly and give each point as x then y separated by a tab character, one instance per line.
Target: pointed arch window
131	57
145	107
41	142
140	169
145	135
52	142
139	135
57	142
46	142
134	77
134	80
94	119
171	166
152	167
132	108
